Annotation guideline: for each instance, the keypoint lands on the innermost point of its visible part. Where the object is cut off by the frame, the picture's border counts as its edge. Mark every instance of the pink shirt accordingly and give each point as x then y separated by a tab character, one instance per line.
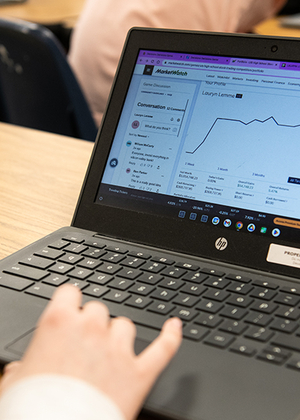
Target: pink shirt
101	30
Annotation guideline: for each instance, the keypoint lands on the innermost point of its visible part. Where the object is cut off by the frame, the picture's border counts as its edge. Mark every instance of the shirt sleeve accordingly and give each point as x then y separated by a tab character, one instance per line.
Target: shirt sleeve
56	397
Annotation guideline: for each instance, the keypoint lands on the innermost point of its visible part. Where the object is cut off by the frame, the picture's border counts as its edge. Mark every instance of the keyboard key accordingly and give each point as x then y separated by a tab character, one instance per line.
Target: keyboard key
163	260
78	283
96	291
292	290
185	300
55	279
243	349
267	284
208	320
61	268
242	301
173	272
50	253
27	272
42	290
141	289
219	339
60	244
284	325
286	299
109	268
258	319
99	278
161	308
89	263
187	266
259	334
195	277
194	289
13	282
290	313
133	262
74	238
37	262
93	253
265	307
75	248
278	351
218	295
213	272
113	257
117	296
118	249
163	294
95	243
120	284
240	288
209	306
140	254
70	258
153	267
272	358
265	294
140	302
185	314
238	277
234	312
218	283
173	284
129	273
80	273
294	364
150	278
194	332
234	327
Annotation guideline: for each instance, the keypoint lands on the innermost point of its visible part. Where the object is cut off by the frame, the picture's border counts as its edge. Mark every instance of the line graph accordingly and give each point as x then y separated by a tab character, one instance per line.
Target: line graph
271	118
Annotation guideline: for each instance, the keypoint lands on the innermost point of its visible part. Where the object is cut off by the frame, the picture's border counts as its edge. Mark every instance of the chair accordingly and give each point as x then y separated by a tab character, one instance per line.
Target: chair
37	86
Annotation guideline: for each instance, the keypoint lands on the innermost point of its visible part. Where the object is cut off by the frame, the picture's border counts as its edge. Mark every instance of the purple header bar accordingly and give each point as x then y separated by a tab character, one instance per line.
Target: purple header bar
159	58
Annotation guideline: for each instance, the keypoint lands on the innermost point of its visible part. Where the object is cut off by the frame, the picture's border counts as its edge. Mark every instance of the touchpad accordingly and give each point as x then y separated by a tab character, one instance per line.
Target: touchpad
20	345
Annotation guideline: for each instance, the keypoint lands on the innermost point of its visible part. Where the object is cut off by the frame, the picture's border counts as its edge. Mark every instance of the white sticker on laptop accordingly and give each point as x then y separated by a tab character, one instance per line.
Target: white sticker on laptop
284	255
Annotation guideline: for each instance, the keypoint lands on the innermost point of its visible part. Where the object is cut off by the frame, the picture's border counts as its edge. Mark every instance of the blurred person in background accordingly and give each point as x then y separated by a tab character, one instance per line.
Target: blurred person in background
99	35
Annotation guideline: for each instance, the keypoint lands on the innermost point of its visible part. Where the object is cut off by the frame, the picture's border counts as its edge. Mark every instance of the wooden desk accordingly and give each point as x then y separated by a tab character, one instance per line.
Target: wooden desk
47	12
40	179
272	27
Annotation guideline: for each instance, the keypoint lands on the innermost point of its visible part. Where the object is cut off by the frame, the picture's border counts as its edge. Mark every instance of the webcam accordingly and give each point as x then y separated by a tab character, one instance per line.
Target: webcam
274	48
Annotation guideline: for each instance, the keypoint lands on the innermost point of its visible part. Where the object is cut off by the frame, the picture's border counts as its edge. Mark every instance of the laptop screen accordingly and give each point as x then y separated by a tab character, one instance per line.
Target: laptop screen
212	140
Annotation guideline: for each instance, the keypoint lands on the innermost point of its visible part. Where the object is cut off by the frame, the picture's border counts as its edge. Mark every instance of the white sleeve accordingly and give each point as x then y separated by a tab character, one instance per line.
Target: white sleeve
50	397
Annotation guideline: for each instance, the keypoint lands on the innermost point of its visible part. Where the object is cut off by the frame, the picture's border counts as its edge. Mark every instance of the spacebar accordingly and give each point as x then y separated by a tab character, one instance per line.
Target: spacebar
289	342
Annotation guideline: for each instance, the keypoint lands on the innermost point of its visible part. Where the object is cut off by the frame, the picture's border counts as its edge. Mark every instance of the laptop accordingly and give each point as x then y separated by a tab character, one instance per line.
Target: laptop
189	208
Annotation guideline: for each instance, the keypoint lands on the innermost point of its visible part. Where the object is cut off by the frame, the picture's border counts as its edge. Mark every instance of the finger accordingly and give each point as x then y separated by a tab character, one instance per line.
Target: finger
9	372
11	367
65	298
123	332
159	353
66	295
96	312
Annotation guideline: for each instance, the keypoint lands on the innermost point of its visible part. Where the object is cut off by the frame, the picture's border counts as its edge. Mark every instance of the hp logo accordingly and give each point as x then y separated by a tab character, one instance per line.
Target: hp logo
221	244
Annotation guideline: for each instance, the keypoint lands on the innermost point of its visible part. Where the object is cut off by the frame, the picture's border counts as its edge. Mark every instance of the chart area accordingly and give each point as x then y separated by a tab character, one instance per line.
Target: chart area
243	150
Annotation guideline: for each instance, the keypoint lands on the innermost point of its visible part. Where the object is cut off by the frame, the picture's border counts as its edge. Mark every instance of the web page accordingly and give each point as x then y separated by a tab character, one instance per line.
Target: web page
213	130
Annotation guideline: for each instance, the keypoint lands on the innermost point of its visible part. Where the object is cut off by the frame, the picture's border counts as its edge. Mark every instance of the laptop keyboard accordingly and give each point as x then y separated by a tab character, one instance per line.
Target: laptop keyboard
253	318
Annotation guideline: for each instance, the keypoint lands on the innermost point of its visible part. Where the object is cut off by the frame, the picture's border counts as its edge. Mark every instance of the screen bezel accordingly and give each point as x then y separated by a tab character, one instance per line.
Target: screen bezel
149	229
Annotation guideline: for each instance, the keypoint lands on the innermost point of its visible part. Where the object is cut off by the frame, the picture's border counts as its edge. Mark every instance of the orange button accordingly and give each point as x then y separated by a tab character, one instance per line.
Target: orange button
287	222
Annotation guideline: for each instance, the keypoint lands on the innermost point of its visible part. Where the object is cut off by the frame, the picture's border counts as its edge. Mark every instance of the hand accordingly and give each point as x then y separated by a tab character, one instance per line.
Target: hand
86	344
